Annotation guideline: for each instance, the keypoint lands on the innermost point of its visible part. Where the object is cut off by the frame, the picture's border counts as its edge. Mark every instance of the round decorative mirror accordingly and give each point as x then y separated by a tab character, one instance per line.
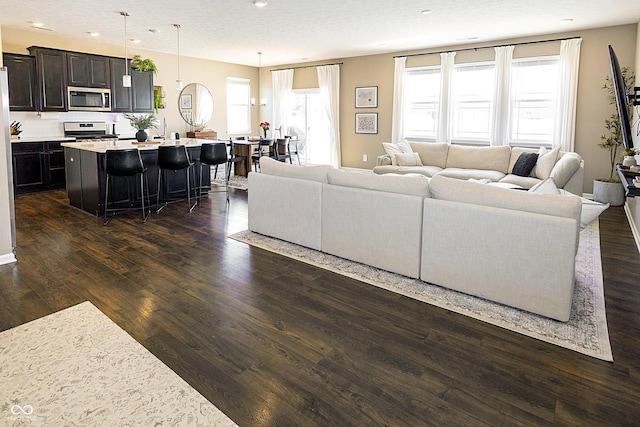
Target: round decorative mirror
196	105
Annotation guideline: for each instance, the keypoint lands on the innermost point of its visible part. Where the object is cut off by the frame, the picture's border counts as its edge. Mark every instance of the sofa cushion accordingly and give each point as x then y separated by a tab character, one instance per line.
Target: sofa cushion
432	154
486	158
271	166
411	184
472	173
521	181
564	168
406	159
546	161
525	163
402	170
457	190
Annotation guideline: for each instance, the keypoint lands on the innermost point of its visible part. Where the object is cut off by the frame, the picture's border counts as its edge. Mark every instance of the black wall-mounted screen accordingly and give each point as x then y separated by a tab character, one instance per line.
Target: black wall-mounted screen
620	89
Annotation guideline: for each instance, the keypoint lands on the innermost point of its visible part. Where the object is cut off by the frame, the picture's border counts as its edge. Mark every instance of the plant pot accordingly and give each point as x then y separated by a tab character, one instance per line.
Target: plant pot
141	136
608	192
628	161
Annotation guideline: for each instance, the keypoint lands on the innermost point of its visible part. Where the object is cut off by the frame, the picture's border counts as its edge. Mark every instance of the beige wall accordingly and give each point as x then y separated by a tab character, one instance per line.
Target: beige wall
212	74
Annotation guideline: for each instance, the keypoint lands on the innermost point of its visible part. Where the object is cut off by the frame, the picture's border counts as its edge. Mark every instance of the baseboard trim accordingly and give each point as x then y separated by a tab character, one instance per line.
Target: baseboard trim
7	258
632	224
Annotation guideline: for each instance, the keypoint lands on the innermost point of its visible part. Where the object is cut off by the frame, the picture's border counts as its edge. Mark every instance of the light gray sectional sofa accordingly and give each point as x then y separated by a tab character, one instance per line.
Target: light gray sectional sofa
510	246
486	163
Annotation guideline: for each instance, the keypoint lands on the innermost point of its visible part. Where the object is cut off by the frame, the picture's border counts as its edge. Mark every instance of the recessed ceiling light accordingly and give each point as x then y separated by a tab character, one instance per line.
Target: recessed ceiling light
566	20
37	24
93	34
426	11
135	40
259	3
153	30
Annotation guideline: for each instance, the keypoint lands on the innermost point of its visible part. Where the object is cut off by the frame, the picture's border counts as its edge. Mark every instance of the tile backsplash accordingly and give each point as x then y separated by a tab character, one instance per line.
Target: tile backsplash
49	124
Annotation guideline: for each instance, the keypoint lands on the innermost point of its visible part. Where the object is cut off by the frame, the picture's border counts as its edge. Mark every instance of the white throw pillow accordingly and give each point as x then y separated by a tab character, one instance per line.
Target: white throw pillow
546	162
399	148
406	159
546	186
590	210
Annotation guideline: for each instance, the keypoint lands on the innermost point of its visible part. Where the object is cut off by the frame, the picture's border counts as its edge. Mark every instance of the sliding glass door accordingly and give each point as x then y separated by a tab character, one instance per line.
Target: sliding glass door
306	120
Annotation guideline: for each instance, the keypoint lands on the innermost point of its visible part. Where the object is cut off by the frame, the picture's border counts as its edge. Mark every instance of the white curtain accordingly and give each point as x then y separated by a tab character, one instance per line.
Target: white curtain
565	132
329	82
501	96
397	120
282	83
447	64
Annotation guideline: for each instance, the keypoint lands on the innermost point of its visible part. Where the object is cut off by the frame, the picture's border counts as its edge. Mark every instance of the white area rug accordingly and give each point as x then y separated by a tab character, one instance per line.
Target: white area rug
235	181
585	332
77	367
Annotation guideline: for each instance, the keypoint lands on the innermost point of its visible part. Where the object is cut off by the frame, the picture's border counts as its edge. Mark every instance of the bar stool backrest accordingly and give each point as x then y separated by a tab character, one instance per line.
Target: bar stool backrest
124	162
173	157
213	154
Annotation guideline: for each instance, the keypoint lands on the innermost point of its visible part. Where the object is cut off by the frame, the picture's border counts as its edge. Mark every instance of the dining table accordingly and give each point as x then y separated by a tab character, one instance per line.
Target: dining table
244	147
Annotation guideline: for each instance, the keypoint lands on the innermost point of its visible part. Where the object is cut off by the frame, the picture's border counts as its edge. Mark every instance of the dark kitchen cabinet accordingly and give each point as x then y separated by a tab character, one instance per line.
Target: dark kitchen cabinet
142	91
139	97
37	166
120	95
88	70
22	82
51	72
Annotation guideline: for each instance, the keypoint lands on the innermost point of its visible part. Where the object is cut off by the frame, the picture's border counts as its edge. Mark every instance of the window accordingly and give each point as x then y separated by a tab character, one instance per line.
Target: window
309	124
534	83
421	99
472	91
238	106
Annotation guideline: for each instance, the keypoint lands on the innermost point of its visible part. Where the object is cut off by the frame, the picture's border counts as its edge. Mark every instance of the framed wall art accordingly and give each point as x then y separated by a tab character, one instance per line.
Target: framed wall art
185	101
366	122
367	97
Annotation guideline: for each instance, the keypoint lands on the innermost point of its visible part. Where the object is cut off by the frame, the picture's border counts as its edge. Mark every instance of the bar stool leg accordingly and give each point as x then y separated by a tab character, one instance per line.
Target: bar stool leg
106	203
160	171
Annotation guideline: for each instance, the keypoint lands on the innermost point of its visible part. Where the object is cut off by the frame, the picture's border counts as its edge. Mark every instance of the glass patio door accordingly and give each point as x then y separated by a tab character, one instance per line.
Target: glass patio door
306	120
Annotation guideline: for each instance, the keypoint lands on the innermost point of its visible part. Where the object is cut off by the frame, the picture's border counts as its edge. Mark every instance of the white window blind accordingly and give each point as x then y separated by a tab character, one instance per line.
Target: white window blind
472	102
421	102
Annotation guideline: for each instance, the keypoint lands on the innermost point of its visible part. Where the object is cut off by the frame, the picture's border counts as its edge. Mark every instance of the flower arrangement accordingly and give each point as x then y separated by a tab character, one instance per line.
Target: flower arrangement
265	127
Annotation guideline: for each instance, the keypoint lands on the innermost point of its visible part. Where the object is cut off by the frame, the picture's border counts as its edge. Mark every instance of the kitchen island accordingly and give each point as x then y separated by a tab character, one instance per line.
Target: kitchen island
85	170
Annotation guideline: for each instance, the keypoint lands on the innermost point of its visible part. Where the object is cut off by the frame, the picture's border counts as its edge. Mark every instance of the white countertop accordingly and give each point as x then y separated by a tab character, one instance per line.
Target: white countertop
45	139
104	145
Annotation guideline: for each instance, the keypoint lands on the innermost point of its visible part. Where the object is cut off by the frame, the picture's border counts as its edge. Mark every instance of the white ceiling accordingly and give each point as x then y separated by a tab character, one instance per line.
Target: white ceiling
294	31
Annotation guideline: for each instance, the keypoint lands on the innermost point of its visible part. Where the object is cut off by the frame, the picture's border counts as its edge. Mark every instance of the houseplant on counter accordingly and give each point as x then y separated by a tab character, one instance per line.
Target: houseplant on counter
137	63
611	190
142	123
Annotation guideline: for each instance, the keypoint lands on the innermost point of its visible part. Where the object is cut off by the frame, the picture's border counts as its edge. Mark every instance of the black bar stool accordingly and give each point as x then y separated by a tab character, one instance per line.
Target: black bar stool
173	158
126	163
213	154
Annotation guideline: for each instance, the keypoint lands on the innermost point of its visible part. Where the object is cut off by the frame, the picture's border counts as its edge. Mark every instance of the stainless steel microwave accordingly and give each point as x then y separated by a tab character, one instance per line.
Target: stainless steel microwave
89	99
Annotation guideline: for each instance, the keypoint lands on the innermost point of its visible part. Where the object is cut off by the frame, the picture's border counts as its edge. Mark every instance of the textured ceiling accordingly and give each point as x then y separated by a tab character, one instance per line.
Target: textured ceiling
293	31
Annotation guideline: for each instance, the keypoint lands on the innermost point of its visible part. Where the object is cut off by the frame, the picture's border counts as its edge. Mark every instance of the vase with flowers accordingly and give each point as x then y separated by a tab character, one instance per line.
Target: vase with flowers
265	127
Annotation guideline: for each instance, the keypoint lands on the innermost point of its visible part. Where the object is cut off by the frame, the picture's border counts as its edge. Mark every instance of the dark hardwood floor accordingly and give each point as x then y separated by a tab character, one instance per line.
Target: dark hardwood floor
272	341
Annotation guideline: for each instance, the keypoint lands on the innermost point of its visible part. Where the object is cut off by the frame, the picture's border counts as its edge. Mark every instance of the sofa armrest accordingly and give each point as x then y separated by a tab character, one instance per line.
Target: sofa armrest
383	160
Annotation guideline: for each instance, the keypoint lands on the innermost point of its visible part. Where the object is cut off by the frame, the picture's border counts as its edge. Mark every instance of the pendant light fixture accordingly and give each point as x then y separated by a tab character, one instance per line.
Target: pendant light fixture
126	78
178	81
263	101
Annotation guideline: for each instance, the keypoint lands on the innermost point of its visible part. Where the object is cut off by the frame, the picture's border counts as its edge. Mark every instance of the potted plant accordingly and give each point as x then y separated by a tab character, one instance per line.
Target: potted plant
142	123
143	64
629	157
610	190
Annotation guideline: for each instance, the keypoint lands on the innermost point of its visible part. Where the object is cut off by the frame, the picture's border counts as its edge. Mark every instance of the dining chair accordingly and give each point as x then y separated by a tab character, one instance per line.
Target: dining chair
126	163
296	149
265	148
233	158
281	150
172	158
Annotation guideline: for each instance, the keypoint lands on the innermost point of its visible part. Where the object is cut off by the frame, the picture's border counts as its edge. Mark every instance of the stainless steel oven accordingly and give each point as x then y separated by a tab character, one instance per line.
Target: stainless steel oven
89	99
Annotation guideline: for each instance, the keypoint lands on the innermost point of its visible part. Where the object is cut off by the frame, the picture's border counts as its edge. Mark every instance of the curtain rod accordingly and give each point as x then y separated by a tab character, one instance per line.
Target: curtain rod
307	66
486	47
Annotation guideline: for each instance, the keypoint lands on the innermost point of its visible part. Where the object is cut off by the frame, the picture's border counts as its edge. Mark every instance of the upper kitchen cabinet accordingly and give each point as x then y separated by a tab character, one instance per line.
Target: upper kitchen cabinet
139	97
51	73
142	93
86	70
22	82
